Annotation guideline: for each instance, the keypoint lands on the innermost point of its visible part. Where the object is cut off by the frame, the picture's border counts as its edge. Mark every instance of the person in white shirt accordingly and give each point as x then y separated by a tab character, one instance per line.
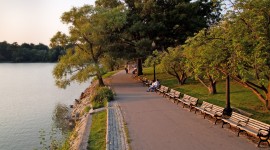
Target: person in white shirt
153	86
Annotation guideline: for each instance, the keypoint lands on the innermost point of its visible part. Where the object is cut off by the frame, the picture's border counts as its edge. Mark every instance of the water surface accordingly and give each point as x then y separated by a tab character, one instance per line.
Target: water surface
28	97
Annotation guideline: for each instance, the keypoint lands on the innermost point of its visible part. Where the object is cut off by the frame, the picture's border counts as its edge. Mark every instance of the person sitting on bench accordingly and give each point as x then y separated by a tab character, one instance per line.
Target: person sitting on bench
153	86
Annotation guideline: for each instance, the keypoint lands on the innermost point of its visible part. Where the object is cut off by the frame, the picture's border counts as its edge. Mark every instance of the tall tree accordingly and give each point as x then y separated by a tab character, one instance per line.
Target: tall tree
202	57
165	23
90	35
239	46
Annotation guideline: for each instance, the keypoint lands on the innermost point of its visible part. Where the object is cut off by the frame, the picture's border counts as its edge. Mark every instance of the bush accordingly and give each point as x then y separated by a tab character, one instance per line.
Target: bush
103	94
101	97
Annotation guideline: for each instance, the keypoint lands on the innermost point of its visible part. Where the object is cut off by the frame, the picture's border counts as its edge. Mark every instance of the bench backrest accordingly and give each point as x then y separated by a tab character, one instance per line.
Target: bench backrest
193	100
206	105
177	94
166	89
216	108
172	91
258	124
186	97
238	117
161	87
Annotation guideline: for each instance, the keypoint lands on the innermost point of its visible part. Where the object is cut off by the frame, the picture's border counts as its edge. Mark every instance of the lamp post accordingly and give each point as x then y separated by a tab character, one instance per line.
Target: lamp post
153	46
227	110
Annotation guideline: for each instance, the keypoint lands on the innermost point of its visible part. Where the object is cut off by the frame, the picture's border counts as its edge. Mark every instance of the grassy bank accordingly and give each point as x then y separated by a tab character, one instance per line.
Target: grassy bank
97	138
241	97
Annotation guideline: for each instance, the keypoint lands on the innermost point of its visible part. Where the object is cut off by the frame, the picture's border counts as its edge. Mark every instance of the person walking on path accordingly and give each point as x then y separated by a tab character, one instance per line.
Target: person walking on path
155	123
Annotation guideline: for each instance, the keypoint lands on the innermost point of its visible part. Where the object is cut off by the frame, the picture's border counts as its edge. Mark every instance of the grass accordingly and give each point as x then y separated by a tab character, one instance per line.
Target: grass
97	137
241	98
109	74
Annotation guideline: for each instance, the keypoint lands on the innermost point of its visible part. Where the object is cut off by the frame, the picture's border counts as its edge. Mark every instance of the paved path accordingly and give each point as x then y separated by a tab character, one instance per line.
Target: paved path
155	123
116	137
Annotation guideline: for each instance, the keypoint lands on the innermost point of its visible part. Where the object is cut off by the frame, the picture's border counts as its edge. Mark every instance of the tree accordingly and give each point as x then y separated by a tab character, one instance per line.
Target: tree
89	39
239	46
166	23
173	63
249	31
201	58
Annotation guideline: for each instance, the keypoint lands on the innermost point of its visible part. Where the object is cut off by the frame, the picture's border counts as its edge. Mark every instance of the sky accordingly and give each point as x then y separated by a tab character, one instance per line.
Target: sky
34	21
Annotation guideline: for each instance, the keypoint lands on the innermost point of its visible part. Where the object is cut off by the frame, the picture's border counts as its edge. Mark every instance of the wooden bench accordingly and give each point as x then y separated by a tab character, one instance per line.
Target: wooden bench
171	93
143	80
185	98
148	83
161	87
215	112
191	103
176	96
234	119
205	105
164	91
255	128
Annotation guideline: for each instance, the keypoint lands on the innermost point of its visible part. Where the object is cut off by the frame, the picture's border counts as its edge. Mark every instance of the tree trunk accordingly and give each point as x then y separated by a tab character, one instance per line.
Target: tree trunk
249	85
178	79
139	67
212	88
181	79
100	81
267	101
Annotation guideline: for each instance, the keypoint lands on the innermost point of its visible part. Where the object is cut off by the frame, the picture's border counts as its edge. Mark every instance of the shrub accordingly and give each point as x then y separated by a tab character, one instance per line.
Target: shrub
101	97
103	94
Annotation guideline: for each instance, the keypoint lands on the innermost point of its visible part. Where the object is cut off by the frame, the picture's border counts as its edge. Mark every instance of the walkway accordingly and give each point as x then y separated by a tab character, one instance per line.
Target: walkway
116	138
154	123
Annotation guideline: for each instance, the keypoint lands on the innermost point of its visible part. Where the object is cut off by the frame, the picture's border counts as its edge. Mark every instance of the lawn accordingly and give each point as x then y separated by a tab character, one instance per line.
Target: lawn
241	98
97	137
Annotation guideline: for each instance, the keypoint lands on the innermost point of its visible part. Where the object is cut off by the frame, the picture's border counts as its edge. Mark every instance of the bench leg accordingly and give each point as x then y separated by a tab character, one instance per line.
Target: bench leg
239	130
216	121
263	140
223	124
204	116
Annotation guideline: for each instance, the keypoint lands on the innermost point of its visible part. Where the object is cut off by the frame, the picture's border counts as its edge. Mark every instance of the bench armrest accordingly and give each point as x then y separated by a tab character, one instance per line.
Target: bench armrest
263	133
217	113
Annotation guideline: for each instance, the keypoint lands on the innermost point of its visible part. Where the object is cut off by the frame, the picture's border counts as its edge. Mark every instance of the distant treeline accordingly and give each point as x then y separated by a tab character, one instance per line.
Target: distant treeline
29	52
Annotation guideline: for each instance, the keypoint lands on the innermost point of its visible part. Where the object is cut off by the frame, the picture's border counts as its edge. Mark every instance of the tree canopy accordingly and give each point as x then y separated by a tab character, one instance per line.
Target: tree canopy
90	36
28	52
237	46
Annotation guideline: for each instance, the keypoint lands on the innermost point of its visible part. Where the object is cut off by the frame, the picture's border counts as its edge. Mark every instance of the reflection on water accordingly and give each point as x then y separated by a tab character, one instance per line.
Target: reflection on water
54	138
28	100
60	118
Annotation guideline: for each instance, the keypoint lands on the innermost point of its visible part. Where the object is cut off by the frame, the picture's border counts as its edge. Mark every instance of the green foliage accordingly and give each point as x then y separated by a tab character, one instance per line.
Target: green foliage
101	96
238	46
167	23
89	40
155	58
97	137
87	109
173	63
28	53
111	63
